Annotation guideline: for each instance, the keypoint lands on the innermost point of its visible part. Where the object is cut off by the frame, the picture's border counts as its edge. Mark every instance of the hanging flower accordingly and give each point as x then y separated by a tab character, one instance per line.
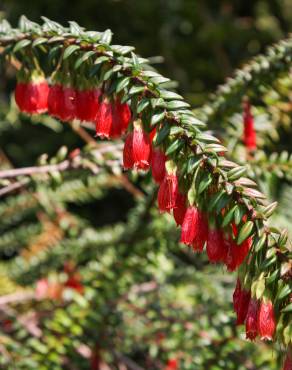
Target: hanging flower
180	208
121	118
251	325
202	233
158	159
55	100
249	133
87	103
137	149
190	226
104	119
266	320
216	247
236	254
31	92
67	108
128	160
241	298
168	192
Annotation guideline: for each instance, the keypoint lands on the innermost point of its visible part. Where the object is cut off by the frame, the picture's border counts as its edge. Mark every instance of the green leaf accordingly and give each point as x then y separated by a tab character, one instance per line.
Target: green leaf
253	193
75	29
162	134
106	37
123	50
169	95
204	182
21	44
177	104
39	41
193	163
192	195
216	148
260	288
207	137
136	90
273	277
143	103
107	75
260	242
135	61
70	50
284	292
215	199
238	214
159	80
175	146
229	216
83	58
269	210
288	308
222	202
245	231
236	173
122	83
156	118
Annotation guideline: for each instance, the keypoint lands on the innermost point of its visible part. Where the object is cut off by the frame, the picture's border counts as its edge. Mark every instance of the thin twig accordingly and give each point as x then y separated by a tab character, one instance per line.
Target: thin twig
14	186
28	171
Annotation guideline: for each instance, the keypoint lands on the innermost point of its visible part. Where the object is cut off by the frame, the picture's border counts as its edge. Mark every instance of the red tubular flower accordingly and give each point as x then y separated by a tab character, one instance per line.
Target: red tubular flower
167	193
55	98
121	118
242	306
236	253
249	133
202	233
31	93
128	161
180	208
137	149
288	362
87	103
104	119
190	226
158	159
141	148
266	321
216	247
67	108
251	325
